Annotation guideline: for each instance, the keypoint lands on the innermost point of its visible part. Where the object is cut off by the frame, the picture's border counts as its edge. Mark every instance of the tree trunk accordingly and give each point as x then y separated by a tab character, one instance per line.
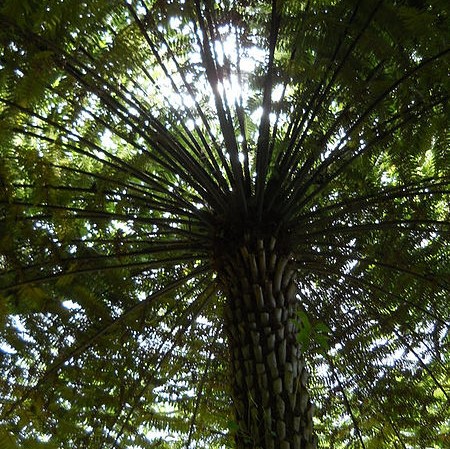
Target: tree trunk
271	402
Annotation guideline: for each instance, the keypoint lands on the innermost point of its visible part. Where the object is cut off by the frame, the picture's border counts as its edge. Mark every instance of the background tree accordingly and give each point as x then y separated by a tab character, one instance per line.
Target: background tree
201	199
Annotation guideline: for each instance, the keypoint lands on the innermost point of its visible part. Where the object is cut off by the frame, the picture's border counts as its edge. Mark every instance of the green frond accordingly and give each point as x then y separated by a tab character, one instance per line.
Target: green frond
143	142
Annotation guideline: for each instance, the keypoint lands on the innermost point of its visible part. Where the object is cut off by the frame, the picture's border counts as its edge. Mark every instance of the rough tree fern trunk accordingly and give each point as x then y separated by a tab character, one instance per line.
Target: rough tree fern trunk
271	401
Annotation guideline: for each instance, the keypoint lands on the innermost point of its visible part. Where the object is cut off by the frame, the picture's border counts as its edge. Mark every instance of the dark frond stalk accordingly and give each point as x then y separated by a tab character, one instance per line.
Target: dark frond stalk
175	155
299	32
178	330
211	159
223	112
268	376
299	125
421	188
241	117
200	393
263	144
345	150
347	405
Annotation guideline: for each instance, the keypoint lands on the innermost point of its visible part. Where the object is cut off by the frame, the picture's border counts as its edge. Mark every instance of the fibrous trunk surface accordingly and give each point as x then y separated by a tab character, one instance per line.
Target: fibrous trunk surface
270	397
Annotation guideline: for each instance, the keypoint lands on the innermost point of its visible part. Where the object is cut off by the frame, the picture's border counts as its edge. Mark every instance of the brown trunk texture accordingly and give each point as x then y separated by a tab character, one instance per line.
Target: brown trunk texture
269	379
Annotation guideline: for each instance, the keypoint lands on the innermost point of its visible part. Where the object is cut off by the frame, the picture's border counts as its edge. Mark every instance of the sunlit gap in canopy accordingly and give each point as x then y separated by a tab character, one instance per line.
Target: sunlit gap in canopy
236	63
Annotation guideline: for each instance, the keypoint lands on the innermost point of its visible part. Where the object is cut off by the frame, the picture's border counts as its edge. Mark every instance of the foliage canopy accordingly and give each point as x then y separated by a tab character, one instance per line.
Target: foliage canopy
141	140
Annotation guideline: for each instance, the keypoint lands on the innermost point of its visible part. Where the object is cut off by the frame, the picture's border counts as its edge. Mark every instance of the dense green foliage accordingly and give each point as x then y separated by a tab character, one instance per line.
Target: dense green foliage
140	140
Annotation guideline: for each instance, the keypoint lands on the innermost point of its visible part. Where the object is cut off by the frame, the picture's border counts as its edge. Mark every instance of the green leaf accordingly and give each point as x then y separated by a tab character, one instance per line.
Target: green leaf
6	439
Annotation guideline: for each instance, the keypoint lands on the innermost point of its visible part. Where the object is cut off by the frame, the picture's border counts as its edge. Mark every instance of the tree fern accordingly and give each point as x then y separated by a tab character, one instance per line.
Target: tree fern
204	204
